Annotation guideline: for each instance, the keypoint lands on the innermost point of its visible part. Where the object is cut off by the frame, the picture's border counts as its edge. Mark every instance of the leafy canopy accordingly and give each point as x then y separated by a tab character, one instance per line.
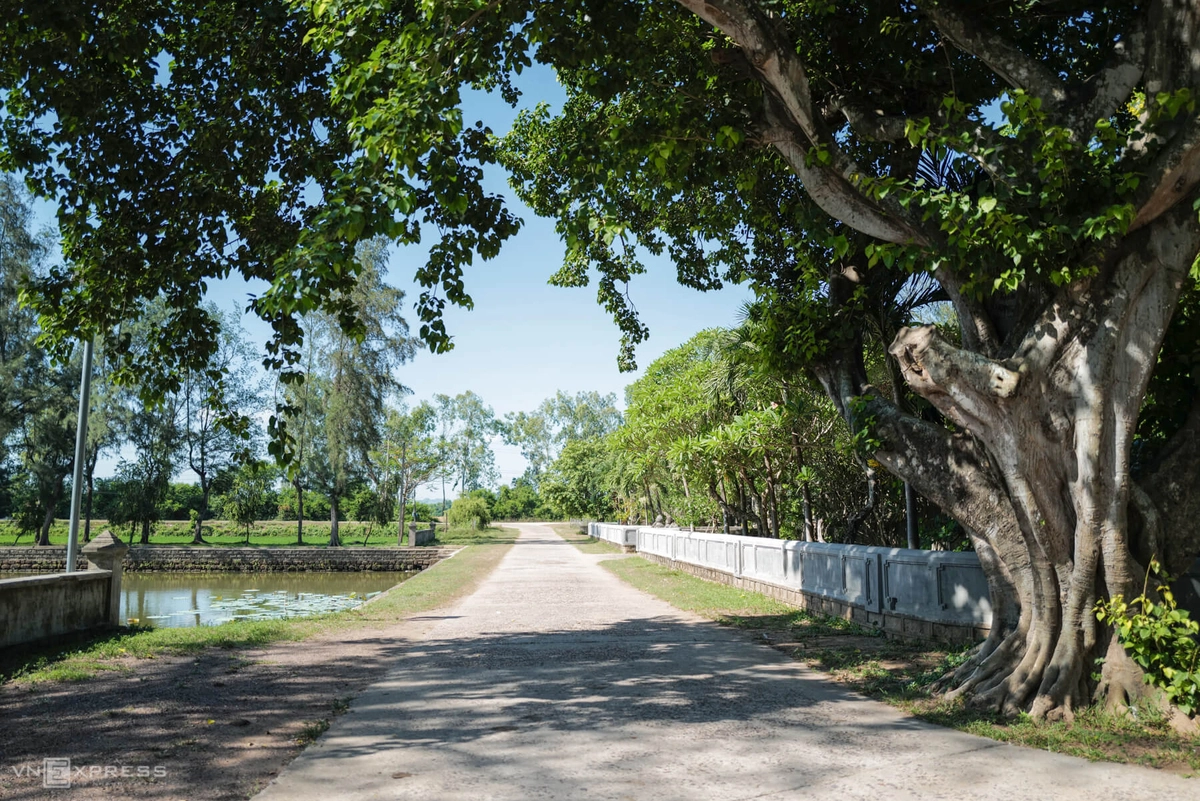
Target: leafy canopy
340	120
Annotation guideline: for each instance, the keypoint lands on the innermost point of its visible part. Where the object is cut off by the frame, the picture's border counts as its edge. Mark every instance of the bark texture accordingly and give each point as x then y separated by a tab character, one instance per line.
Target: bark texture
1056	422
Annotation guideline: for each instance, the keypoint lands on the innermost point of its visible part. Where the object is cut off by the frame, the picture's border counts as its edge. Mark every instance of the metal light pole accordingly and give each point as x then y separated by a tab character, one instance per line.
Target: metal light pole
85	404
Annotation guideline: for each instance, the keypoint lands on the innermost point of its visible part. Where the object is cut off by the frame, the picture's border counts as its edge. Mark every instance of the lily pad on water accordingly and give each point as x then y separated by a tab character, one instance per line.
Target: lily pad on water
217	598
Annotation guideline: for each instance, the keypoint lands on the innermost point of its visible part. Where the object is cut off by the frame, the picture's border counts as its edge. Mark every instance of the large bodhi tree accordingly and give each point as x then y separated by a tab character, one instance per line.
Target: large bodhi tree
1038	159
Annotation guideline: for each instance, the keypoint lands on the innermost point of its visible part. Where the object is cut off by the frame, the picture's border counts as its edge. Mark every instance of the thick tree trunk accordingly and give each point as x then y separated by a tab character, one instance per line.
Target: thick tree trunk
55	493
1039	472
1037	468
145	540
44	532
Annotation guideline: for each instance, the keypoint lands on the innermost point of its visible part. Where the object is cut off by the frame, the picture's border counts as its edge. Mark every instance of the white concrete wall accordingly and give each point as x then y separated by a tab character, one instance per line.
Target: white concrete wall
937	586
614	533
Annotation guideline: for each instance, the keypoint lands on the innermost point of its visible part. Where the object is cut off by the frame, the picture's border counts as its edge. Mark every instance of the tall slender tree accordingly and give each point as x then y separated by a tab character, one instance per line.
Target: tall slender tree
298	405
219	402
48	438
20	253
411	455
468	426
359	351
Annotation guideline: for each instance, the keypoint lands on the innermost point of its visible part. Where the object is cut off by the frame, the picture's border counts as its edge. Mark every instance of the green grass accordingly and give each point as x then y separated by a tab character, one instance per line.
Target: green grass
465	535
226	533
901	673
575	535
433	588
724	604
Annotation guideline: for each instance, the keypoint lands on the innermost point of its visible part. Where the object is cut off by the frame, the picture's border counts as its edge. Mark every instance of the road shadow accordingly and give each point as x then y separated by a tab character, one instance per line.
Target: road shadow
648	672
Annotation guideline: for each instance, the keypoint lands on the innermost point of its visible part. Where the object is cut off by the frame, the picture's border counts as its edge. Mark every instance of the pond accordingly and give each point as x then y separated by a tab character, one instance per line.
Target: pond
179	600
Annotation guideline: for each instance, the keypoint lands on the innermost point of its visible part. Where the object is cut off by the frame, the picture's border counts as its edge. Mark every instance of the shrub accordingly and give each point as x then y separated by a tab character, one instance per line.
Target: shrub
1161	638
472	512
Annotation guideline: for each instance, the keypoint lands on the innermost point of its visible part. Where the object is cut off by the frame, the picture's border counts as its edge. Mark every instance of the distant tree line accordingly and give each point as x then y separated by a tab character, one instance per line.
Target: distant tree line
359	448
712	436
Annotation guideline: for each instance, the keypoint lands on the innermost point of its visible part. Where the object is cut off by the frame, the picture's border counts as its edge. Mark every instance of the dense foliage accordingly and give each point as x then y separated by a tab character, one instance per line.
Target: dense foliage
1033	163
711	438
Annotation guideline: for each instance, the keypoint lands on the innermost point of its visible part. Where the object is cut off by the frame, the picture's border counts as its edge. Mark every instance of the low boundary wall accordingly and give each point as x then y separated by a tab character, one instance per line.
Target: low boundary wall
932	595
929	595
187	559
625	536
39	607
421	536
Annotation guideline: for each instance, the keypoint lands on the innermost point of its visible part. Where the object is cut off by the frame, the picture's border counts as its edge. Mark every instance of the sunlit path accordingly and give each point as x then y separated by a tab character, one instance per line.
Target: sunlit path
557	681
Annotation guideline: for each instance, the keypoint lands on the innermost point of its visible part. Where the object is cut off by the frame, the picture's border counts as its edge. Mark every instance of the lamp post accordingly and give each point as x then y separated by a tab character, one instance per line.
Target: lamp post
85	403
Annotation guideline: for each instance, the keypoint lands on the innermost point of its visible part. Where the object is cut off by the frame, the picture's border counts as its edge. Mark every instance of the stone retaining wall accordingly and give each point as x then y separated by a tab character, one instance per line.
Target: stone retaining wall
186	559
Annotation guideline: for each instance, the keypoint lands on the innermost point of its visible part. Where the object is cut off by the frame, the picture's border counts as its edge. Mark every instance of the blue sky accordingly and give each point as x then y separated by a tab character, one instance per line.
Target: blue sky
525	339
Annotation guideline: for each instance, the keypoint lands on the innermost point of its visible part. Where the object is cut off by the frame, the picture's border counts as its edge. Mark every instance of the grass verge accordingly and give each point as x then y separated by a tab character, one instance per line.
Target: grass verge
466	535
900	673
573	534
84	658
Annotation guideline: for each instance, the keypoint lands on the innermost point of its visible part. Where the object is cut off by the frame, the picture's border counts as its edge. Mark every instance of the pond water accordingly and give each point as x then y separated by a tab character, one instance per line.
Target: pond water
178	600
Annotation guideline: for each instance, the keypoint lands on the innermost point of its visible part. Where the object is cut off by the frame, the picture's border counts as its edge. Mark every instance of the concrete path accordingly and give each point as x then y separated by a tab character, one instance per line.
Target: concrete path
556	680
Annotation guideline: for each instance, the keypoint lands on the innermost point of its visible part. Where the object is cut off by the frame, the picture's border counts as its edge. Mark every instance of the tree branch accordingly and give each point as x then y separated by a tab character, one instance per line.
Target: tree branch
831	191
1178	173
963	385
1104	92
1002	57
795	128
950	469
978	331
867	122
